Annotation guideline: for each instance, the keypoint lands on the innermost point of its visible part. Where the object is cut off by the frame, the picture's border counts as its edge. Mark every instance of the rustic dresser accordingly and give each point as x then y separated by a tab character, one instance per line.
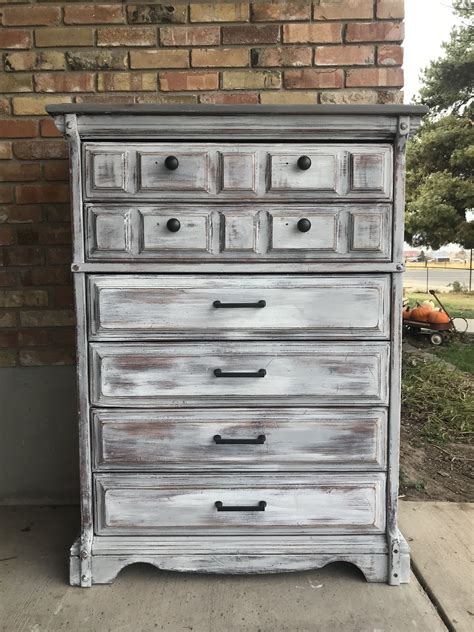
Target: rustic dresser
238	294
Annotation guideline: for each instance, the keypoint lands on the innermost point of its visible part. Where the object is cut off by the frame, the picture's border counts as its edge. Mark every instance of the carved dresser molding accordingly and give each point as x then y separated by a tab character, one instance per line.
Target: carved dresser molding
238	294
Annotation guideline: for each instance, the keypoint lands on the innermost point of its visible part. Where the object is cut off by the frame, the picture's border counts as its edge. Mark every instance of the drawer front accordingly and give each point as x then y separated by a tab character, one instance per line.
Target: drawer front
226	374
299	504
237	170
183	232
244	439
235	307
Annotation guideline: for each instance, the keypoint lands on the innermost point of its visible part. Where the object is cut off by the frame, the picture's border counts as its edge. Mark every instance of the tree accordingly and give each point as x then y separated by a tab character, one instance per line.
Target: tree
440	158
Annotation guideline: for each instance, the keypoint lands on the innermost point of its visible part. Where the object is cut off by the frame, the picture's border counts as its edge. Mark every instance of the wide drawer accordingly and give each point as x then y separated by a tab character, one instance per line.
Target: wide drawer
226	374
299	504
252	232
238	307
281	439
236	170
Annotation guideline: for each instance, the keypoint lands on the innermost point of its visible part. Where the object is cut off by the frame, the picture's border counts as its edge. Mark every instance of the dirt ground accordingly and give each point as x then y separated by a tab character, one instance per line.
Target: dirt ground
430	472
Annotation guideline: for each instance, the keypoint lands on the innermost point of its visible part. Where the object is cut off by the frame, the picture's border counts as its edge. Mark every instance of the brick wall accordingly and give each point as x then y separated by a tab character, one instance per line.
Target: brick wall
327	51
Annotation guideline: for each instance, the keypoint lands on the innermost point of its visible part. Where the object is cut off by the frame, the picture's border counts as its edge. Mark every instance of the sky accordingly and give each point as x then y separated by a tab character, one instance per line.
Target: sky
427	24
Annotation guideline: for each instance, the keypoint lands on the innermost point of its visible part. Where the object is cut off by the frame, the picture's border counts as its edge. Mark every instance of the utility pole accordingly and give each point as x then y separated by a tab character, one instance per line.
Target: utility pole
470	272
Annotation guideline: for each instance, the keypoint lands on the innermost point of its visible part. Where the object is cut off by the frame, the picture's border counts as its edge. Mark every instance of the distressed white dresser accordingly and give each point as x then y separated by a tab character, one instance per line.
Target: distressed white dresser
238	292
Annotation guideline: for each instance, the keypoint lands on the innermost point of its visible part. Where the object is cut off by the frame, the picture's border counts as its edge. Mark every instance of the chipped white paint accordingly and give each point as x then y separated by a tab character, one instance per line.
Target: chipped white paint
319	433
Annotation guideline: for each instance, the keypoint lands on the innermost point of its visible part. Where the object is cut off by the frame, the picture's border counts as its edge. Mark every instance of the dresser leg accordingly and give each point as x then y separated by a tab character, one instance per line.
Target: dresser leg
399	561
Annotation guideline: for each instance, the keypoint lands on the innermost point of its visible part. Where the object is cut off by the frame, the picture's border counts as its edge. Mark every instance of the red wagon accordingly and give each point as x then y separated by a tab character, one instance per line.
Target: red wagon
438	332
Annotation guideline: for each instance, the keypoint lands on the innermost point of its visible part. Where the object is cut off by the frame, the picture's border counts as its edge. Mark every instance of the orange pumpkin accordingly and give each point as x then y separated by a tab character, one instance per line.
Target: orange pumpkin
420	312
438	317
406	313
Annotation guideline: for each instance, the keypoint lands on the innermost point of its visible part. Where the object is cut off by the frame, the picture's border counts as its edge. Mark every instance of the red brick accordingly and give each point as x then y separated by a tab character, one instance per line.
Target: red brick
62	296
251	34
5	150
47	357
23	298
220	57
280	10
15	38
229	97
46	337
39	193
31	15
8	339
37	149
56	170
18	129
16	82
47	318
6	239
59	255
126	81
375	32
57	213
65	82
7	358
47	275
27	236
251	80
25	256
390	55
177	81
282	56
189	35
49	129
344	55
8	278
15	214
318	33
31	60
166	58
94	14
219	12
6	195
7	319
368	77
390	9
19	171
313	78
343	9
55	235
65	36
126	36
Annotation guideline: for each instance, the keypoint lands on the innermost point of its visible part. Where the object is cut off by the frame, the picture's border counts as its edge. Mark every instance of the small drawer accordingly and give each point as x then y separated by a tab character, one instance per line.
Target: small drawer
264	232
232	373
268	439
240	171
245	504
237	307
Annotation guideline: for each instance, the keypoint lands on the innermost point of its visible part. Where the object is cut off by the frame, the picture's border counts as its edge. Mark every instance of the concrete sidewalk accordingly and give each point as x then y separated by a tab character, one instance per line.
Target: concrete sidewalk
35	596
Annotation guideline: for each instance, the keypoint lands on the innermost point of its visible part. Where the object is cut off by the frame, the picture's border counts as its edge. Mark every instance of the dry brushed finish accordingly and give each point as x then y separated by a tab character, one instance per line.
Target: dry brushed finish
128	375
239	233
239	337
283	439
237	171
219	307
295	504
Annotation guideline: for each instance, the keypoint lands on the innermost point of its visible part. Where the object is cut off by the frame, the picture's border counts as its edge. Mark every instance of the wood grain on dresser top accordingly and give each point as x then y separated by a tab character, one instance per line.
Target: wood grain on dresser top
290	439
289	307
230	233
344	171
295	503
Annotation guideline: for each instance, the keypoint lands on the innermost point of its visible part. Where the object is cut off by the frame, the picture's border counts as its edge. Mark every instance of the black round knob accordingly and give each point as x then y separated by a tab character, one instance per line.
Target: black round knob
303	225
304	162
173	225
171	163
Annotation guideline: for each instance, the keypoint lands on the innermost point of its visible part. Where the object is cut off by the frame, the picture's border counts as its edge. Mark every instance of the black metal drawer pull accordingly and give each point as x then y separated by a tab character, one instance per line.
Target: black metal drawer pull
173	225
304	163
260	507
171	163
219	305
221	373
258	441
